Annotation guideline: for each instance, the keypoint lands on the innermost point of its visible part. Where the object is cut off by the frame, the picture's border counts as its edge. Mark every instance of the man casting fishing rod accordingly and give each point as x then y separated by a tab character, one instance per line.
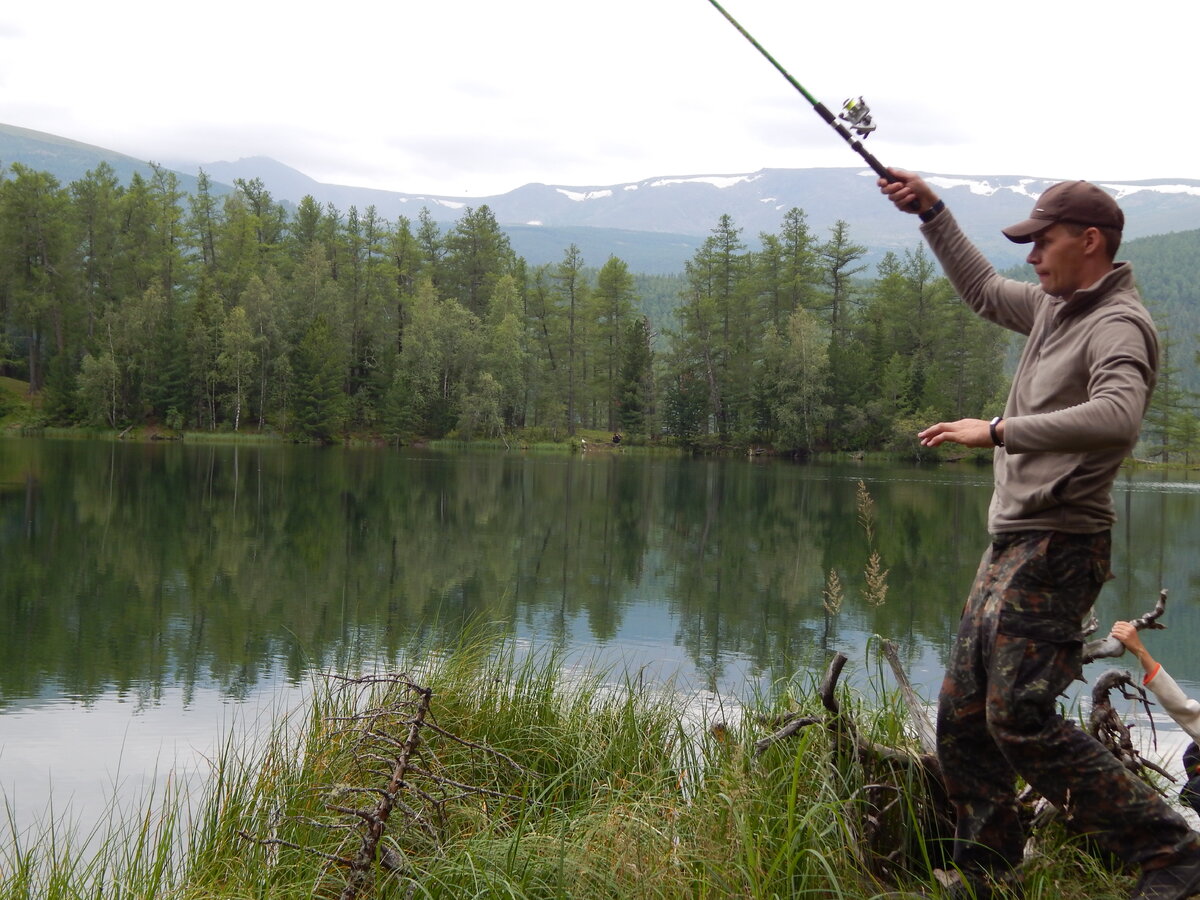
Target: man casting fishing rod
1073	413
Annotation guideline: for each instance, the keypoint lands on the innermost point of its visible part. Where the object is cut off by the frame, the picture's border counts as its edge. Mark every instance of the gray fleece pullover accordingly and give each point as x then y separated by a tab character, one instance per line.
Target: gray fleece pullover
1078	395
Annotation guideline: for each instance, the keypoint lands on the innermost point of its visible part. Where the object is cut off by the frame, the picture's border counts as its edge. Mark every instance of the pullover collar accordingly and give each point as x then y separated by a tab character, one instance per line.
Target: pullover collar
1119	277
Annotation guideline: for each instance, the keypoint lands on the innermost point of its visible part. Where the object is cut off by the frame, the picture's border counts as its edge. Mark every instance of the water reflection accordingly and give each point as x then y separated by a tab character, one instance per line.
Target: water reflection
140	567
186	577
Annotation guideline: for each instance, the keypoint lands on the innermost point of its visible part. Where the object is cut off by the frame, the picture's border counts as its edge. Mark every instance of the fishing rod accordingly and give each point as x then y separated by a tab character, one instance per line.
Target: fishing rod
855	112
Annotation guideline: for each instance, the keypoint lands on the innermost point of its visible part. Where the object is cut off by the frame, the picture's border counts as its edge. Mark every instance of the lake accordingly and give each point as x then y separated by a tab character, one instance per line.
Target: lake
157	596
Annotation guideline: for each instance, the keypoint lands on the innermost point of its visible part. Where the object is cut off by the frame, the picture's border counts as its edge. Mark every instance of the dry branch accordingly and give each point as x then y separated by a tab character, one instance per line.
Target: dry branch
926	735
387	744
1108	647
1106	726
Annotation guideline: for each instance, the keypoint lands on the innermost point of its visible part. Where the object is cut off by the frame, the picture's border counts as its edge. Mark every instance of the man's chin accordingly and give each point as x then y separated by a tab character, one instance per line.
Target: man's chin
1048	287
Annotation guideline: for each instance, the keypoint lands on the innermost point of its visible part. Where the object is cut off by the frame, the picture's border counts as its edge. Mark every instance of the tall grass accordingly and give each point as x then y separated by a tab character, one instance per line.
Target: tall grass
586	789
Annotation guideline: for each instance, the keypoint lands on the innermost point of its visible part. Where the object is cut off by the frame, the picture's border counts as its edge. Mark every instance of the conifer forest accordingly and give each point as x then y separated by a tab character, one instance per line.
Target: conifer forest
137	304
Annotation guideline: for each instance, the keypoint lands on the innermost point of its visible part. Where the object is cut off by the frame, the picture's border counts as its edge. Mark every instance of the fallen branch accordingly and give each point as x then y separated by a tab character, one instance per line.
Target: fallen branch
1108	647
917	717
793	725
387	743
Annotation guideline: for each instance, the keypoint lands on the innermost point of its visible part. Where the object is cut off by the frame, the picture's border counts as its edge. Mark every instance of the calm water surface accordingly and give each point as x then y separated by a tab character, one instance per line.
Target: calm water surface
155	596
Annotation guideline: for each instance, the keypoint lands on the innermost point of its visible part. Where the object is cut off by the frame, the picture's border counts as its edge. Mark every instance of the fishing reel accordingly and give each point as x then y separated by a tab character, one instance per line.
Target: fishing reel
857	115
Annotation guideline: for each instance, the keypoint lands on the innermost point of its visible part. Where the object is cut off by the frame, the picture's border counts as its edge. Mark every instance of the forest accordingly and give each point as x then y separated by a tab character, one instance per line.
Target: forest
141	305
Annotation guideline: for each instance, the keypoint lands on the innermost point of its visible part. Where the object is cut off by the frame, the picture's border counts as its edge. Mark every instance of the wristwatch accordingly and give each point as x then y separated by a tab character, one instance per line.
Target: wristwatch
992	428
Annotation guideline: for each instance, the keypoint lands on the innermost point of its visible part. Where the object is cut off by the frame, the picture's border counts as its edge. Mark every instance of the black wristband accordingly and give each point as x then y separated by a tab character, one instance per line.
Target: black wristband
928	215
992	428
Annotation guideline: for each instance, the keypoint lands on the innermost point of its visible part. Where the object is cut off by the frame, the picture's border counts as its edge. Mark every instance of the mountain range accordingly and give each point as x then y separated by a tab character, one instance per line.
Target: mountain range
656	225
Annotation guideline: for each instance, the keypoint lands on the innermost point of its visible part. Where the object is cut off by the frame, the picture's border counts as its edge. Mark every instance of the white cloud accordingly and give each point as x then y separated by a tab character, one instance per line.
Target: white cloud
472	97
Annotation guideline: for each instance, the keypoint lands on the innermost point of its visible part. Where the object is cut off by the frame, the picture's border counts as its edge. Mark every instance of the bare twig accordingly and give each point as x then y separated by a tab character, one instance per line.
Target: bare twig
474	789
491	751
280	842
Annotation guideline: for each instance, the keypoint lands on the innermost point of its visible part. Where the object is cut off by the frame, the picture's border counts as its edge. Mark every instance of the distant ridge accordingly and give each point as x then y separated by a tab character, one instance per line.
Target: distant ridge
69	160
656	224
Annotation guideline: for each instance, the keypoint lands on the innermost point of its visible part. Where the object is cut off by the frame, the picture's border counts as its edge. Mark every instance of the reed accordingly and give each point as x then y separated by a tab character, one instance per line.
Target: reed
571	784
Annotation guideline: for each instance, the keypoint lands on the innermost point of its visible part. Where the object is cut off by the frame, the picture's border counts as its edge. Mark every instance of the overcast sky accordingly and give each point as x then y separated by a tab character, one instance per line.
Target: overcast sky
478	97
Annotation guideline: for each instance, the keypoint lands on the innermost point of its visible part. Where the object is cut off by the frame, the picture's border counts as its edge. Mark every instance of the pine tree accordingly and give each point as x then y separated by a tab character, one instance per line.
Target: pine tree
477	255
319	402
36	262
574	291
612	306
636	378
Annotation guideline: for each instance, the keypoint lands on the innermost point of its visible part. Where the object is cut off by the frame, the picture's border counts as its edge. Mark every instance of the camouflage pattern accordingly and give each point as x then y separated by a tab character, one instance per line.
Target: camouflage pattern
1019	646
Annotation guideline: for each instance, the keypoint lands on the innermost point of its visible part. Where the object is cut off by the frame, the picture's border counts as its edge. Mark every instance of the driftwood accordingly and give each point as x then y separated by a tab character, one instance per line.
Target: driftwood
884	784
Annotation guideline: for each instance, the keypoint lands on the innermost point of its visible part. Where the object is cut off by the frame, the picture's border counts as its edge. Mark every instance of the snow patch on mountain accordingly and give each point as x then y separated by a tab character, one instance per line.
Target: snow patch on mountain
986	188
580	196
1033	187
717	181
1126	190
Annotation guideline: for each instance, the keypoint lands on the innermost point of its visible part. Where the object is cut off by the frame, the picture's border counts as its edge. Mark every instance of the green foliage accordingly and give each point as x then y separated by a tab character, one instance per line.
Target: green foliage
794	349
120	303
319	404
636	385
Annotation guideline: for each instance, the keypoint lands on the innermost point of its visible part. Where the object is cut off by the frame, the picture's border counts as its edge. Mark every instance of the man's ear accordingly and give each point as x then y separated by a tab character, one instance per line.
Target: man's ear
1093	241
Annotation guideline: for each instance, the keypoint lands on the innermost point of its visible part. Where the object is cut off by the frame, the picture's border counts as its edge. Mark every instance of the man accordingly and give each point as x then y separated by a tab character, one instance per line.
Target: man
1073	413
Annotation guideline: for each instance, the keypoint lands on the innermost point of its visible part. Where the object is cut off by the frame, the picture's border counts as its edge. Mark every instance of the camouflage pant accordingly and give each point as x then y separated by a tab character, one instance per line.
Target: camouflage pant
1019	646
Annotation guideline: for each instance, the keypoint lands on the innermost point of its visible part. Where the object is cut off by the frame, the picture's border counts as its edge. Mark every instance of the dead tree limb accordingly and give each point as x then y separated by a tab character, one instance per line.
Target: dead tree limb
917	717
792	725
394	784
880	826
375	818
1108	647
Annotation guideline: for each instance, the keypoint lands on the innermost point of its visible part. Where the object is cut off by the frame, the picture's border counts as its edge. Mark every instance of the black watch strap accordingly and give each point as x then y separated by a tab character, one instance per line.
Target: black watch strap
928	215
992	429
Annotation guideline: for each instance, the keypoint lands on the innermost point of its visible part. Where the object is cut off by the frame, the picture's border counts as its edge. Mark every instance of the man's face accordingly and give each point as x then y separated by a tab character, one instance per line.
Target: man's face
1058	258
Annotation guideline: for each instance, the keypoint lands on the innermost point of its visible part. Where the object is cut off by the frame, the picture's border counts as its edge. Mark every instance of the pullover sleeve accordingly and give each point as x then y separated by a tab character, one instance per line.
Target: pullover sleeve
1010	304
1178	705
1121	374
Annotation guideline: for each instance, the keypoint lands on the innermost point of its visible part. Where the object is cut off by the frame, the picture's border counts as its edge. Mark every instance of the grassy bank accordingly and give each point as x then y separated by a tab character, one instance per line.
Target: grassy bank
528	781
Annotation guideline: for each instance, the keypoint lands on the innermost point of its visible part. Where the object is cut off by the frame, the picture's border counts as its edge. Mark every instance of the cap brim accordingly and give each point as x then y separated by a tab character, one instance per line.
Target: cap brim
1023	232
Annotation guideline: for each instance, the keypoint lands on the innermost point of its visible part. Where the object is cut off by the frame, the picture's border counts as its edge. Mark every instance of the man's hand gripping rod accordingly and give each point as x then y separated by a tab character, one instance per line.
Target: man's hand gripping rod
857	113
